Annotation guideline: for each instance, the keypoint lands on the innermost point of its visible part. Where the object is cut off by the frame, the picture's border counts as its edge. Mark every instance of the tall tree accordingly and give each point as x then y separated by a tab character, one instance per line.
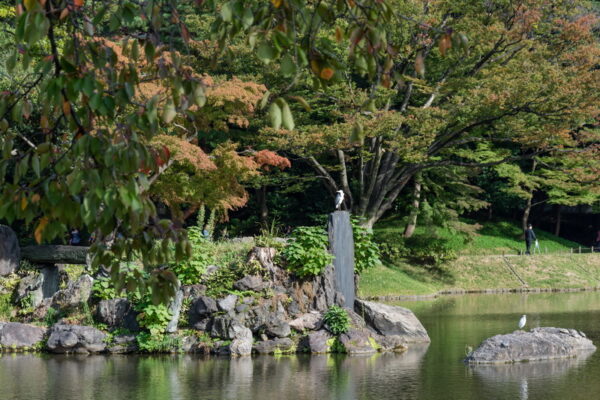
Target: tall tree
521	75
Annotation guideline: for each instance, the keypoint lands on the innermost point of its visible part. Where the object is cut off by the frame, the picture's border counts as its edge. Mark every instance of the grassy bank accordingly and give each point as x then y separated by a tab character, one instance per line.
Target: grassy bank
558	271
480	265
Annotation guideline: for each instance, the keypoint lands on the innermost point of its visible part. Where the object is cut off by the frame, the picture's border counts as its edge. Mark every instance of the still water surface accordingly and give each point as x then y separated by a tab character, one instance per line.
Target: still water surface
429	372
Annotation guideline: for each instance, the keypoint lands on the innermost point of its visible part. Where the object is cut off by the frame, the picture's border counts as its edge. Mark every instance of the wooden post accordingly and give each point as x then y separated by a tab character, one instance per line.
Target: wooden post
579	249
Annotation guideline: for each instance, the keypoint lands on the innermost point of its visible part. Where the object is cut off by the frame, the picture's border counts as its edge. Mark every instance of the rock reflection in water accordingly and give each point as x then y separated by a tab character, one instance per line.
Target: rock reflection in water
524	376
187	377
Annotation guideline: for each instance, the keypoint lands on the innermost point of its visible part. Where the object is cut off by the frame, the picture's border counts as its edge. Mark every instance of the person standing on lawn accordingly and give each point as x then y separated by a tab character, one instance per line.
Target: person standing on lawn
529	238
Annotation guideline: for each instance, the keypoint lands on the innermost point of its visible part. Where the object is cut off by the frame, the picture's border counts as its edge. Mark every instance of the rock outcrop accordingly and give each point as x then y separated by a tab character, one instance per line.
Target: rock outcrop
37	286
250	282
535	345
117	313
275	346
389	320
76	339
55	254
10	254
309	321
74	295
123	344
358	341
15	336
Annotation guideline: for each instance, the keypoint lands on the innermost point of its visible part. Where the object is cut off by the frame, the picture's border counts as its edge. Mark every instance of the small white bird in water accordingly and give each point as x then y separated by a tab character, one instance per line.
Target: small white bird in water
522	321
339	199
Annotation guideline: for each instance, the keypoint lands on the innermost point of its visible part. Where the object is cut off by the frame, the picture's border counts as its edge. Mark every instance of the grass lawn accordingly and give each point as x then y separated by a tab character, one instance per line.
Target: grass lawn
479	264
483	272
390	281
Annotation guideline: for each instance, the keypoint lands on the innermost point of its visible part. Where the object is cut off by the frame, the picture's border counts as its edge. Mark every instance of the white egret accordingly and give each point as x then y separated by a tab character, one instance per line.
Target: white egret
522	321
339	199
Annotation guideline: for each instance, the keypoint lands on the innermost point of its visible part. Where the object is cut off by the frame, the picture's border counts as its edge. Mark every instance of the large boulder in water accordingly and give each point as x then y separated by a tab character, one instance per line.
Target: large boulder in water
535	345
76	339
389	320
10	254
17	336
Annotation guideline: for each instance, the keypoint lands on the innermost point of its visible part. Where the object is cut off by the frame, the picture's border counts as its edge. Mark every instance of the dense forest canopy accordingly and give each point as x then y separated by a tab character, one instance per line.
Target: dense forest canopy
111	109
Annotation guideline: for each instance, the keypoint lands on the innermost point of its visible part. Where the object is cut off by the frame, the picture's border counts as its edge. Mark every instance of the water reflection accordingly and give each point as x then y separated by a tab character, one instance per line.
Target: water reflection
423	372
191	377
528	370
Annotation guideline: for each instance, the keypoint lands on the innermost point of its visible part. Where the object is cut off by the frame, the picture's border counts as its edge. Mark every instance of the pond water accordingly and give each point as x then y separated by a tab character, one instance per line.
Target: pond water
425	372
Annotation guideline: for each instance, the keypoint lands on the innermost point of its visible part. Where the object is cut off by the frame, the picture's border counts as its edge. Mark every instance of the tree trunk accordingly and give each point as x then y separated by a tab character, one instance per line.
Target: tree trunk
527	210
261	197
558	220
414	212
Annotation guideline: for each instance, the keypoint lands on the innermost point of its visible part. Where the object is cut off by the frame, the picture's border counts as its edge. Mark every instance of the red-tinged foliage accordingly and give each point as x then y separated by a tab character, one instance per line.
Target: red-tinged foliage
266	159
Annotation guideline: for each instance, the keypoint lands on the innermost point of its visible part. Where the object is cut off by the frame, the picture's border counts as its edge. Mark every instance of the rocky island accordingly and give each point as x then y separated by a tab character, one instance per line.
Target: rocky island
538	344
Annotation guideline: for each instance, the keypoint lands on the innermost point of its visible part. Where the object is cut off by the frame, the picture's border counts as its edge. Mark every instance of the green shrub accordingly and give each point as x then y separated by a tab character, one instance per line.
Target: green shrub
337	320
366	251
150	343
189	271
427	248
6	307
153	317
430	249
307	254
103	289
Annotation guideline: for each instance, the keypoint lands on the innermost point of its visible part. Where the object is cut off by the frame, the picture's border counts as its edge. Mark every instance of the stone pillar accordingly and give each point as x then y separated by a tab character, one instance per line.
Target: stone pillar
10	254
341	243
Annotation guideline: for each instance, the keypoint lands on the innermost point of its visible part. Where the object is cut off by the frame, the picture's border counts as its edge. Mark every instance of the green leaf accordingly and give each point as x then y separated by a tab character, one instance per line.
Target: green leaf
247	18
35	165
227	12
288	66
199	96
264	100
286	115
275	116
266	53
169	112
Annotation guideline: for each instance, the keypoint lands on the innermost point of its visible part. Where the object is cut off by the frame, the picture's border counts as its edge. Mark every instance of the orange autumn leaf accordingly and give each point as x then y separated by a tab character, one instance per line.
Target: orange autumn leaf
277	3
78	3
40	229
326	73
23	203
420	64
35	198
338	34
66	107
64	13
445	43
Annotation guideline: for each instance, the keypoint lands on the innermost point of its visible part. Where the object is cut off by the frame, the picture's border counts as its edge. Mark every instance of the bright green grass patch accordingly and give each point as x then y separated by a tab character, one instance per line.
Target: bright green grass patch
385	281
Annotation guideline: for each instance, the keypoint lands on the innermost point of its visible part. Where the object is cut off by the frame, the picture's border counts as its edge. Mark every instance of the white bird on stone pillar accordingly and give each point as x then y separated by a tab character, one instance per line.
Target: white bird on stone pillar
339	199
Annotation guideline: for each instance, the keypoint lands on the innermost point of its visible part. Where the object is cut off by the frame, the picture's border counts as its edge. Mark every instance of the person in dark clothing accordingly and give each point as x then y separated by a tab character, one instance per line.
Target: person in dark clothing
529	238
75	239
